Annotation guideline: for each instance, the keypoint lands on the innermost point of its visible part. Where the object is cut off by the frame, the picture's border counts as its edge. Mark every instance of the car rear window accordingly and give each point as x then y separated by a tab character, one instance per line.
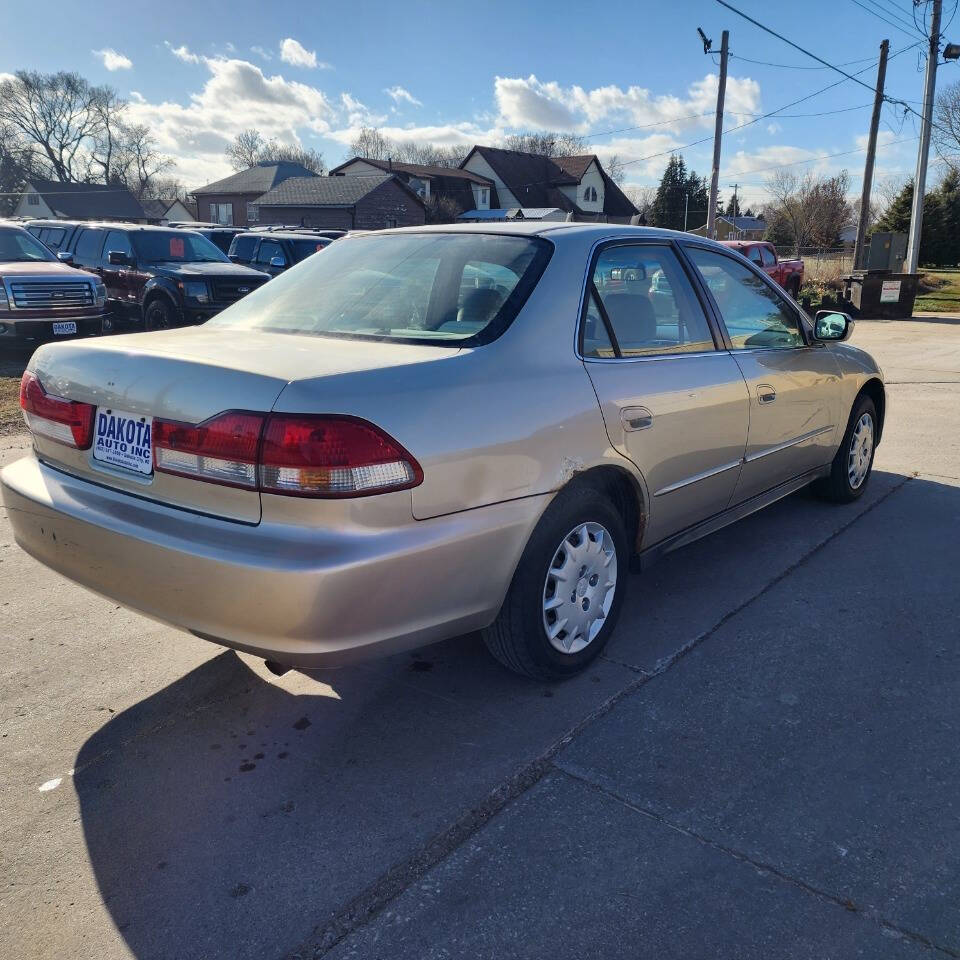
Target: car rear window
443	288
304	248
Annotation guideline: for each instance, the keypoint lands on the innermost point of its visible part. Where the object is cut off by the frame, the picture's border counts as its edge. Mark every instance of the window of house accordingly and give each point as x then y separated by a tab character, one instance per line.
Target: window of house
648	303
253	213
391	222
221	213
590	194
484	198
33	200
755	315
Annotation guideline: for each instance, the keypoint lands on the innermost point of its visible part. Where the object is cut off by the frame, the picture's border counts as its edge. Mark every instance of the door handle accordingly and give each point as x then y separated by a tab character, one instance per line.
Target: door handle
636	418
766	393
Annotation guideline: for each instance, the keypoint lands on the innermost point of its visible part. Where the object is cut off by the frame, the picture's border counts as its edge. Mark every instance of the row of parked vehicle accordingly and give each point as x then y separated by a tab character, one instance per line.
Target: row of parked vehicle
63	278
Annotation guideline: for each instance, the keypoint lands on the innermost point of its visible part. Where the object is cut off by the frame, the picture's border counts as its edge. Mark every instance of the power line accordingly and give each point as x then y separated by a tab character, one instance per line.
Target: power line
798	66
902	26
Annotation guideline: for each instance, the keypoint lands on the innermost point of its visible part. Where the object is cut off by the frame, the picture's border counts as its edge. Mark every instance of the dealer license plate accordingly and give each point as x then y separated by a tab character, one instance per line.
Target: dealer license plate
122	440
63	328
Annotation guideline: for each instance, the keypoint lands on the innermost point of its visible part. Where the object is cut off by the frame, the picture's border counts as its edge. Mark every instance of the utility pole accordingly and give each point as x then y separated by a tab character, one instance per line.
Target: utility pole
859	246
717	135
686	209
920	180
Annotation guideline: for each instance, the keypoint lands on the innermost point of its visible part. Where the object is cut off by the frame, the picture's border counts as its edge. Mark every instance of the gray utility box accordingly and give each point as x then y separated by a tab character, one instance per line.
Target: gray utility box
881	296
886	252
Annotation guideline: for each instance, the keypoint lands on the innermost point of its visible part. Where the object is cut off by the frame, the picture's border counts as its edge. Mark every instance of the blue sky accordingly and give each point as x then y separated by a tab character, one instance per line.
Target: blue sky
465	72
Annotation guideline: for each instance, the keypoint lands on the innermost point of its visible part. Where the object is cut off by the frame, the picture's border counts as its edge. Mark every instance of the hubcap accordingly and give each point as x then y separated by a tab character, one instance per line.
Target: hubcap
861	450
579	588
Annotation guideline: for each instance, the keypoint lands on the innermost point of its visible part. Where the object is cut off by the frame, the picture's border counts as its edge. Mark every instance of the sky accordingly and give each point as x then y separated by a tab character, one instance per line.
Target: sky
632	77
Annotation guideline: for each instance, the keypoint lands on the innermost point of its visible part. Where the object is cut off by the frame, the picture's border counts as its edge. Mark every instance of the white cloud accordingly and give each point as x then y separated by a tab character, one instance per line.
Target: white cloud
884	137
260	52
113	60
398	93
137	97
529	103
236	95
773	128
183	53
297	55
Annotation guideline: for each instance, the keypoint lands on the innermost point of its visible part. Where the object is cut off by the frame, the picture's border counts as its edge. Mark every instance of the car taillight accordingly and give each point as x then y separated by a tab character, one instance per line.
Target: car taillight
222	449
289	454
57	418
332	456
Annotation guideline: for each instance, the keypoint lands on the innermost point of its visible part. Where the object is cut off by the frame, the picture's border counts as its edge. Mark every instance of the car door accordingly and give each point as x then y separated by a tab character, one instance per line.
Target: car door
119	278
673	399
794	384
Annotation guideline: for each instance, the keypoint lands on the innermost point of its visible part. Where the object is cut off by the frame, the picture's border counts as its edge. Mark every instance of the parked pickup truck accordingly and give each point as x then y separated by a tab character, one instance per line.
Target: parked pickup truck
42	298
788	273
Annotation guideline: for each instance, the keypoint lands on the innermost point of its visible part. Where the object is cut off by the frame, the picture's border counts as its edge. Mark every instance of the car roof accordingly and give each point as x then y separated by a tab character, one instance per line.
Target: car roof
283	235
555	230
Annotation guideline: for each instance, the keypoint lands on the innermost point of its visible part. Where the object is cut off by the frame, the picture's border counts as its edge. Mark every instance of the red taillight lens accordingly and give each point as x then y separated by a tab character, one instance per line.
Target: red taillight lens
222	449
330	456
57	418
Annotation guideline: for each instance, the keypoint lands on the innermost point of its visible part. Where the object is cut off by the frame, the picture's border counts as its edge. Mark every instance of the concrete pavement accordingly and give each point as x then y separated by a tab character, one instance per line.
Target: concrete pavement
763	764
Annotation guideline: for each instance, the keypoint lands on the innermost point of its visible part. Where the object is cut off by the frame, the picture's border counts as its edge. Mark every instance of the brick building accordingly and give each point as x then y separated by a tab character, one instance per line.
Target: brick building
233	200
343	203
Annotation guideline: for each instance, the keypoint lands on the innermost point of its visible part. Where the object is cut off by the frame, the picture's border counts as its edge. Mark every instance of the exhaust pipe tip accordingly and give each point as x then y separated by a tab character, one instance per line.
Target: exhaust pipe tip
277	669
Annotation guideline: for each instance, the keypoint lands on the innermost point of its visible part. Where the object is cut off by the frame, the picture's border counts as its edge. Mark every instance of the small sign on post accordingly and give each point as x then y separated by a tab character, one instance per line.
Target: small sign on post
890	291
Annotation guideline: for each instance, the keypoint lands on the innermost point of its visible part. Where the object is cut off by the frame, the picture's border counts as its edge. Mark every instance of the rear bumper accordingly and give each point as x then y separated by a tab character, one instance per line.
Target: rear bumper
40	329
303	597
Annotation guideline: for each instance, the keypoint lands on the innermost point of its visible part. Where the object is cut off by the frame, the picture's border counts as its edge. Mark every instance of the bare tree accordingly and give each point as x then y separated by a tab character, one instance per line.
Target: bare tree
370	143
58	117
885	192
426	154
642	198
946	132
812	207
244	152
17	165
614	165
137	161
547	144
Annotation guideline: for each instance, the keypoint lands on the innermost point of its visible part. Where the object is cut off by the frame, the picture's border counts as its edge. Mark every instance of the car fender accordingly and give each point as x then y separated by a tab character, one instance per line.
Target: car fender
164	287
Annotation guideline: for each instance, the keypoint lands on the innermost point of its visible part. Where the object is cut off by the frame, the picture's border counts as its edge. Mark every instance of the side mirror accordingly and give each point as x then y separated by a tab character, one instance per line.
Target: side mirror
278	262
117	258
65	257
831	326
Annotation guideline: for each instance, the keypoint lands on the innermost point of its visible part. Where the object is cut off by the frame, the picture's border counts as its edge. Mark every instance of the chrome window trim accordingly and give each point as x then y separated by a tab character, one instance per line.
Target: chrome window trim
657	356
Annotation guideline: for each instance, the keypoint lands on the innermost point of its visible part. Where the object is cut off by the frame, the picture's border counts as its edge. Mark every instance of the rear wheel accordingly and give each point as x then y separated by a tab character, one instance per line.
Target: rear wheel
159	315
565	596
853	464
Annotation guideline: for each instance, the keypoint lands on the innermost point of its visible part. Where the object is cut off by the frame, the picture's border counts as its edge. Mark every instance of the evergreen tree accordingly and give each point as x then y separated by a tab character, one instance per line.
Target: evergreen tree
939	239
730	211
668	204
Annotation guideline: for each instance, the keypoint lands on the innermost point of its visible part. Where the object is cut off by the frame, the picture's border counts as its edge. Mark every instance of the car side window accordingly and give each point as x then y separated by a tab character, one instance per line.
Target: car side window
755	315
268	250
243	247
119	241
648	302
769	260
89	245
754	255
596	342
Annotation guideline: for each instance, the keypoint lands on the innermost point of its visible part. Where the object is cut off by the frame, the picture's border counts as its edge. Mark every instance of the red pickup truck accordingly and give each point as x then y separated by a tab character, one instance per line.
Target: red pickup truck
788	273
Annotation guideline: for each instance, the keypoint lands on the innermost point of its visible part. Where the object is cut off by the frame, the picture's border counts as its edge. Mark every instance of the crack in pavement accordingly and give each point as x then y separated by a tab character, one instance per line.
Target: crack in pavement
602	786
367	904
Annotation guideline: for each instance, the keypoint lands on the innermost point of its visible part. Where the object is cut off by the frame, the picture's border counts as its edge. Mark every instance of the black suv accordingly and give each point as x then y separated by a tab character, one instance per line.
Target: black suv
217	235
275	252
158	277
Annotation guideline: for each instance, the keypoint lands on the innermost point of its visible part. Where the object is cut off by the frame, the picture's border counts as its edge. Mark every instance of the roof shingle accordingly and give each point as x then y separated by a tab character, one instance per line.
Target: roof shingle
89	201
327	191
258	179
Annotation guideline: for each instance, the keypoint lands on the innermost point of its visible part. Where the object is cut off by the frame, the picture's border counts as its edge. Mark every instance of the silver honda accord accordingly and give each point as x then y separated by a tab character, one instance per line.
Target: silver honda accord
427	432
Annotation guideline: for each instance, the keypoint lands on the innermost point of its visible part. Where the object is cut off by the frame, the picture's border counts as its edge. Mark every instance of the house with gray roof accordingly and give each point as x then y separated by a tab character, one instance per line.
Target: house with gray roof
233	200
50	199
367	202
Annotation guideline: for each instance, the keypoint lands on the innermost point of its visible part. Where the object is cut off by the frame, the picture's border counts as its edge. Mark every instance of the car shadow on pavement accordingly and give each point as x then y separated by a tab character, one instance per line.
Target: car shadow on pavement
230	812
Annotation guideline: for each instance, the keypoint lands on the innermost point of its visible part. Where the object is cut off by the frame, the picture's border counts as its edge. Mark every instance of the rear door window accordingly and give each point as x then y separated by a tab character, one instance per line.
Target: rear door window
306	248
268	250
647	302
89	246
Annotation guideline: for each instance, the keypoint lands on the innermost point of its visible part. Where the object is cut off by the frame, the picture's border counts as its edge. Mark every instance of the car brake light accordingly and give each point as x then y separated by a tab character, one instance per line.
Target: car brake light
57	418
288	454
222	449
332	456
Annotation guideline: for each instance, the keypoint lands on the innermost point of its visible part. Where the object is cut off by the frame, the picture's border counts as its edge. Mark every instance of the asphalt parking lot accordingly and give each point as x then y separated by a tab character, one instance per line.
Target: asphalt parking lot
765	763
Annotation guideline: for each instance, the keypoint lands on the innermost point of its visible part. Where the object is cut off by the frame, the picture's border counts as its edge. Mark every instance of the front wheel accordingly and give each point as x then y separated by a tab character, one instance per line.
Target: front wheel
566	593
159	315
853	464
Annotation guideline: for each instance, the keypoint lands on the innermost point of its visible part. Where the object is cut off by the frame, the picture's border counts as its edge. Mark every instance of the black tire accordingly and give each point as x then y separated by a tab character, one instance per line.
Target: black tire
518	637
838	486
159	315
